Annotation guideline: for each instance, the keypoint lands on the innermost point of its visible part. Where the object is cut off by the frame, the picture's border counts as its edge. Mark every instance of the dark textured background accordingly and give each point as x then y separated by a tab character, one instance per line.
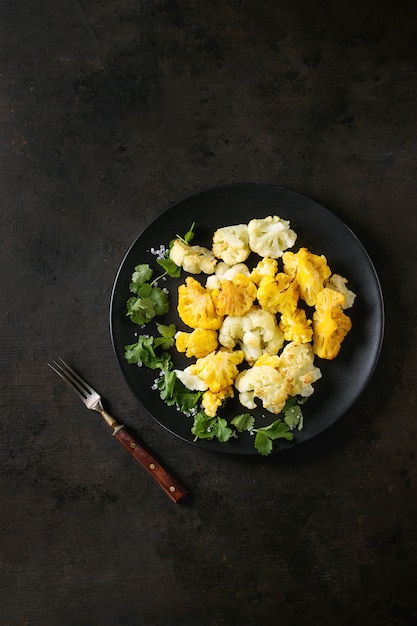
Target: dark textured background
112	110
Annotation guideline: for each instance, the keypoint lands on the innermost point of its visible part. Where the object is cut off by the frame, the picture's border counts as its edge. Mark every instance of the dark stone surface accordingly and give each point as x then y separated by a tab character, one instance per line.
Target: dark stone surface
110	112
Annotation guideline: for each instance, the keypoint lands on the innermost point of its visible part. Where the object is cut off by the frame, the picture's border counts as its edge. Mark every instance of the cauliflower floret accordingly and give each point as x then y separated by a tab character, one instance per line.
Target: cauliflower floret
234	297
231	244
310	272
218	370
199	343
269	237
263	382
211	401
330	324
193	259
339	283
214	374
265	267
296	326
223	271
278	294
257	332
196	307
296	364
190	380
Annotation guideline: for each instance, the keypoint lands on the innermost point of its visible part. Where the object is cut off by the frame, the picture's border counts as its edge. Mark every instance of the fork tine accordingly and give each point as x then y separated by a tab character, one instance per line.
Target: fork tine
72	379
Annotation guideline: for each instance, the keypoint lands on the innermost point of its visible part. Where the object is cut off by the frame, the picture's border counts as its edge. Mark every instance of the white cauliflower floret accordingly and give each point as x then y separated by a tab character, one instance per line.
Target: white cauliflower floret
193	259
256	332
296	364
231	244
338	283
263	382
190	380
271	236
223	271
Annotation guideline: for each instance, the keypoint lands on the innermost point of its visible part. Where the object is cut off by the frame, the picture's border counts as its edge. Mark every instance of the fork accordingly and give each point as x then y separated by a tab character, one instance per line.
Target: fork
93	401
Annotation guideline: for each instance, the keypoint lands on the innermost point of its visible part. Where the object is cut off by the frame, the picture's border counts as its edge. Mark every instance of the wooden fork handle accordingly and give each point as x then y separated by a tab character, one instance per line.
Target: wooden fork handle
168	483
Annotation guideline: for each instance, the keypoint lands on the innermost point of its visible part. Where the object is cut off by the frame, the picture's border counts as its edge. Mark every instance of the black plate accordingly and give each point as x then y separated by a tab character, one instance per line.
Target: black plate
319	230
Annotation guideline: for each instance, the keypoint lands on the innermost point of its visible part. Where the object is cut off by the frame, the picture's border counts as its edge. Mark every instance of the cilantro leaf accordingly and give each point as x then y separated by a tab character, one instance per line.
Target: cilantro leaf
142	274
266	435
171	269
293	415
263	443
166	340
206	427
203	426
166	386
174	393
189	235
141	290
160	300
149	302
223	432
244	421
143	353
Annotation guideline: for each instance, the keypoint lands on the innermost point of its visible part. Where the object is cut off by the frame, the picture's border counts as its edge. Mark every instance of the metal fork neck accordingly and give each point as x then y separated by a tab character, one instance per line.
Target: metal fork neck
108	418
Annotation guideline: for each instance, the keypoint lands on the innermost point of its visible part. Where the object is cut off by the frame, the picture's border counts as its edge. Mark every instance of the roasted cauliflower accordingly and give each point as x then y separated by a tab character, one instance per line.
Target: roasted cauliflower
296	364
265	267
231	244
296	327
339	283
223	271
330	324
257	333
234	297
218	369
309	270
198	343
211	401
193	259
196	307
278	294
269	237
213	374
265	383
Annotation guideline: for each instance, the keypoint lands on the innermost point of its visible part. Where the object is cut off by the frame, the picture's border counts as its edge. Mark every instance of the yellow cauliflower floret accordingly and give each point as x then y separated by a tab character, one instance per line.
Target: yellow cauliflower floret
196	307
310	271
265	267
234	297
296	326
193	259
211	401
330	324
199	343
219	369
278	294
231	244
265	383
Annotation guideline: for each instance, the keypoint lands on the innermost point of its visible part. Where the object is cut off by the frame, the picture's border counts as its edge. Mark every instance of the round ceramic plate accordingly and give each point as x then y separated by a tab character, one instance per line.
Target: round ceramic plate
343	379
